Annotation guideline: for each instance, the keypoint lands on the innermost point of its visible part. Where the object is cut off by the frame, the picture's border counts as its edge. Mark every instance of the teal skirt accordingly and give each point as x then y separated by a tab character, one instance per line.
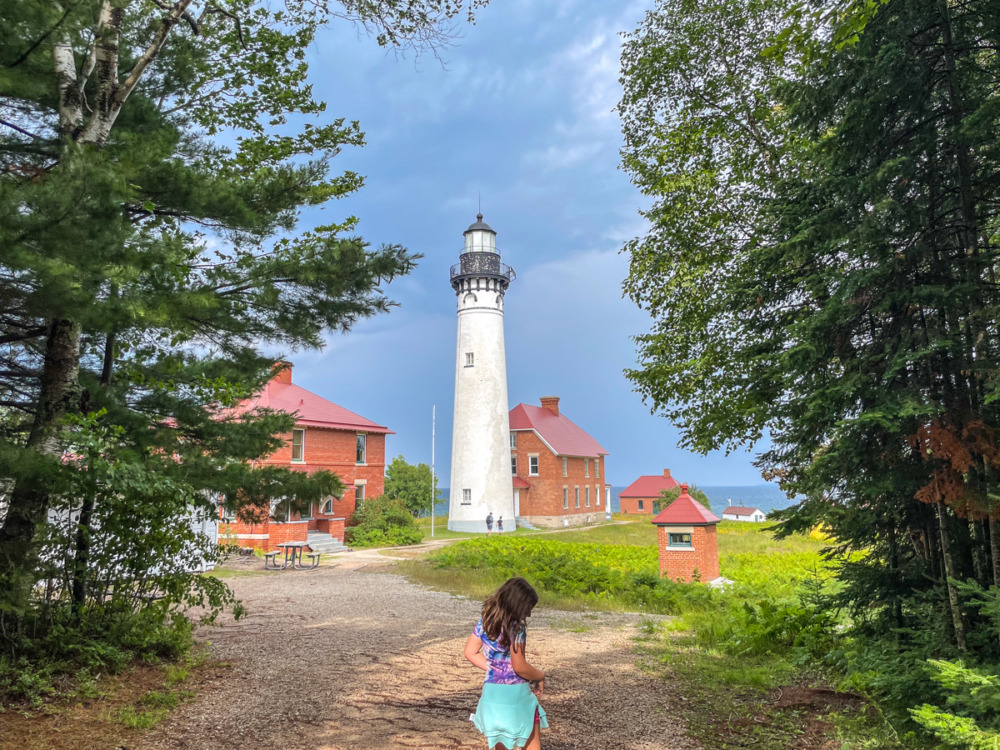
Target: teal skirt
506	714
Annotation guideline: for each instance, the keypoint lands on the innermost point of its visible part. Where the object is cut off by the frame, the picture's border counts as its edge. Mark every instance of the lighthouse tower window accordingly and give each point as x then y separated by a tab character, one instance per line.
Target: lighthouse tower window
469	359
466	497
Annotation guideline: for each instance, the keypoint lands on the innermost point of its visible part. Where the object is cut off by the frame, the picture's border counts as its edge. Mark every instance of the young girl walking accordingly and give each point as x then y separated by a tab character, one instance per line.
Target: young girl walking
508	713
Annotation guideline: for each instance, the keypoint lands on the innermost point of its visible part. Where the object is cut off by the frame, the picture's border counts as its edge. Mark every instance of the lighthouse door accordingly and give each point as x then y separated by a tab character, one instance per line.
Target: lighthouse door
517	503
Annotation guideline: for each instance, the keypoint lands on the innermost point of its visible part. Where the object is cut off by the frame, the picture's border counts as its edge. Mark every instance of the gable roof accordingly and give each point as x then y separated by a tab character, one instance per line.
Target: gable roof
310	410
685	510
649	486
558	432
739	510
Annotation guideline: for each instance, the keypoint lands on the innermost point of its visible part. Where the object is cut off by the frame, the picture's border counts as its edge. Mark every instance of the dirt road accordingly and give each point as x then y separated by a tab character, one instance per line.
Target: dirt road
354	657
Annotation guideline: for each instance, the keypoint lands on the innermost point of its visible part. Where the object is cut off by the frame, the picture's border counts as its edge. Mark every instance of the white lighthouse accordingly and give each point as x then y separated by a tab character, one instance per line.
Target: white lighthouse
480	441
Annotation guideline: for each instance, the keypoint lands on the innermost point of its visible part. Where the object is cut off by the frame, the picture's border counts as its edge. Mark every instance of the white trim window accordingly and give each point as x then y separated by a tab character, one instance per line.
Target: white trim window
307	512
533	466
597	468
298	446
513	464
576	491
470	359
359	495
565	497
588	495
466	497
565	467
327	509
362	453
586	467
597	495
513	441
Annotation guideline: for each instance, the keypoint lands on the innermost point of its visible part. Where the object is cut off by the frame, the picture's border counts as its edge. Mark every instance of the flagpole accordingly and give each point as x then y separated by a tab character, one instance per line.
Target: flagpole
433	483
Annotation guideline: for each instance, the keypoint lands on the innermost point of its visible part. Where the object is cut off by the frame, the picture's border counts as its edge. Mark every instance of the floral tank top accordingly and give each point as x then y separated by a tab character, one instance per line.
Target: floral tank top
500	671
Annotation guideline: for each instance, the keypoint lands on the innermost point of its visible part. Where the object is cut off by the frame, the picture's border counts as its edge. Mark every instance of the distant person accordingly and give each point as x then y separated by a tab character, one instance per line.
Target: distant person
489	523
499	524
508	713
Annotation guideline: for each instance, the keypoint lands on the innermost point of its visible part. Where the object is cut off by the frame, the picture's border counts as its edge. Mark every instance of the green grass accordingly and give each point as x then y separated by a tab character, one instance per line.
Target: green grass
441	529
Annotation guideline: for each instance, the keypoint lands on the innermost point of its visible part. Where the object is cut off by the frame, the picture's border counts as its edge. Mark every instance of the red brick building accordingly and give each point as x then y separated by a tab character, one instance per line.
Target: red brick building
558	469
639	496
325	436
687	540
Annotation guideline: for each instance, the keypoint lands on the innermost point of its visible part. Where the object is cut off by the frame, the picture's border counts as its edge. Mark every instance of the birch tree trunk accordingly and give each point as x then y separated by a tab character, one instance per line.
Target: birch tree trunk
949	571
29	502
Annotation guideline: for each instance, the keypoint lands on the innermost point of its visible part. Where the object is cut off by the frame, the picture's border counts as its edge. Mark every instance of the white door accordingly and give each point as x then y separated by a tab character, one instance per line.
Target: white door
517	503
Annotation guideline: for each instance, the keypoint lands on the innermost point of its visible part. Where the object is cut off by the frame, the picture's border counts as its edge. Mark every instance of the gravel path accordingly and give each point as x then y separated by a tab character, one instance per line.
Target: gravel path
353	657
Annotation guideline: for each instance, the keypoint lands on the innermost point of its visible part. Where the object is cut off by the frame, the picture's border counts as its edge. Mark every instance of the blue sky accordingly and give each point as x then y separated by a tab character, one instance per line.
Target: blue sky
521	112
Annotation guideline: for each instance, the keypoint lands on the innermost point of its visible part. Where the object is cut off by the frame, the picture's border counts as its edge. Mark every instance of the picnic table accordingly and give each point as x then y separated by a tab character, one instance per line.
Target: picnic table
293	557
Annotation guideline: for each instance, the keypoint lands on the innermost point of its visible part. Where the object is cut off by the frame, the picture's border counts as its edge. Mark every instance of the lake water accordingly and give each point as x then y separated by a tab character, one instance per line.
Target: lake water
767	497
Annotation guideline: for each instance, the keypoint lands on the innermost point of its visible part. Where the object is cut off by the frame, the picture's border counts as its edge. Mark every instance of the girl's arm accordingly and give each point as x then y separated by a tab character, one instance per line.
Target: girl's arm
474	652
523	669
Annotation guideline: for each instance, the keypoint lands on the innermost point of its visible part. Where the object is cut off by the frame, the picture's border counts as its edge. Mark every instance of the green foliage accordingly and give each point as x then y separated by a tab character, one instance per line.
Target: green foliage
100	640
820	267
668	496
971	720
411	483
382	522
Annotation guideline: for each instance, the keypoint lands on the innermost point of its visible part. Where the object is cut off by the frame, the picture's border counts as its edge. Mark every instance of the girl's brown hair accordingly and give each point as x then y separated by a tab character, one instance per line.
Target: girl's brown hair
506	609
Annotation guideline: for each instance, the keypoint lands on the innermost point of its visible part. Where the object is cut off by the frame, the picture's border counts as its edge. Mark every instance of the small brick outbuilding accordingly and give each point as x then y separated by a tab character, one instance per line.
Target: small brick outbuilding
687	540
639	496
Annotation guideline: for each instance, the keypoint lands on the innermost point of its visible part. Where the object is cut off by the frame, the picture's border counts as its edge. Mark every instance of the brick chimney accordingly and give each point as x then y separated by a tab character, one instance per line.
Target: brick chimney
282	372
666	473
551	403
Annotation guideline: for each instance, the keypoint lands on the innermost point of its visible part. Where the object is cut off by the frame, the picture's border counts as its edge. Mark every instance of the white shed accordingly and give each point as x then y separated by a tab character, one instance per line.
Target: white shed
739	513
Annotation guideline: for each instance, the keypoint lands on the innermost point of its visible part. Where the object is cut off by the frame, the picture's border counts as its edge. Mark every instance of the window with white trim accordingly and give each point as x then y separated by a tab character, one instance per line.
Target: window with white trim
588	495
513	464
513	441
586	467
283	511
470	359
564	466
565	497
307	512
466	497
362	456
597	495
327	509
359	495
298	446
227	514
577	492
533	466
597	468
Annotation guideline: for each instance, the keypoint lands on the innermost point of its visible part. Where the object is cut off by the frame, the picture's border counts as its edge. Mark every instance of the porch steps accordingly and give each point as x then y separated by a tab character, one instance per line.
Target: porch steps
324	543
523	524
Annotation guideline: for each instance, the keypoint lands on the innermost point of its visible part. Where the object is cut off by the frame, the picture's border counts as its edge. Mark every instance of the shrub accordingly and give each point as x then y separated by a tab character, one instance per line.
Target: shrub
382	522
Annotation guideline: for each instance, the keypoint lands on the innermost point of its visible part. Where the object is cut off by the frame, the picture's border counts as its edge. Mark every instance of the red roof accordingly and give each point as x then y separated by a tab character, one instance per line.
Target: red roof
559	433
685	511
649	486
520	483
738	510
310	410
